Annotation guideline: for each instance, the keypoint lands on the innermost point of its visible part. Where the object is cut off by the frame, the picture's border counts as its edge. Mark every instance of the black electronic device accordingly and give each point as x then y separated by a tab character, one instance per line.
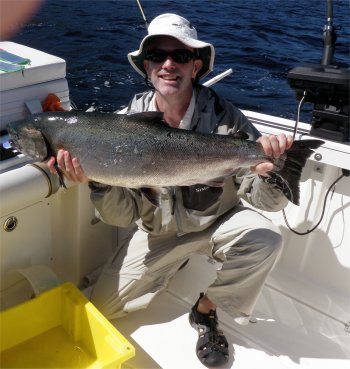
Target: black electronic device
326	86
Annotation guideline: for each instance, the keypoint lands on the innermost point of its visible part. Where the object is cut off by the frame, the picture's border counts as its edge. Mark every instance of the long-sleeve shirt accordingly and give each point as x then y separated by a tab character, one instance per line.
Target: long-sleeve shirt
190	208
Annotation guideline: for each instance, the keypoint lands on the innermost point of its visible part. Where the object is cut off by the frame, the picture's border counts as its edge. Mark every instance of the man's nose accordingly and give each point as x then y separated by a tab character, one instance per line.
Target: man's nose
169	62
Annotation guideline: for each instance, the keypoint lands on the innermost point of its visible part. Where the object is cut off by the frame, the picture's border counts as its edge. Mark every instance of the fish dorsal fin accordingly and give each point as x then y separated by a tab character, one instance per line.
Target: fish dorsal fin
153	117
240	135
152	195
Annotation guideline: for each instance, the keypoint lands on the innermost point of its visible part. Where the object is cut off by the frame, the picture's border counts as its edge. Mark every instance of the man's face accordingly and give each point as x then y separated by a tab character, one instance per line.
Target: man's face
170	77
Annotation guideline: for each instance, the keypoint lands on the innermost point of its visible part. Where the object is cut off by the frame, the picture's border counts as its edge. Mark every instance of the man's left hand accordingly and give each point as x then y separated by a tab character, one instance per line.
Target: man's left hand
274	146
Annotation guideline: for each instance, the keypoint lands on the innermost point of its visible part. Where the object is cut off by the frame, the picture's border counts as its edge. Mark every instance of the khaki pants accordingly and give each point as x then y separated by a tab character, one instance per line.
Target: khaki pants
245	242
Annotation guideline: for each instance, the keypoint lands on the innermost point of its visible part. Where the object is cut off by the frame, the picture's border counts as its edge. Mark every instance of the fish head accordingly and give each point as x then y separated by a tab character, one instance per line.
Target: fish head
28	140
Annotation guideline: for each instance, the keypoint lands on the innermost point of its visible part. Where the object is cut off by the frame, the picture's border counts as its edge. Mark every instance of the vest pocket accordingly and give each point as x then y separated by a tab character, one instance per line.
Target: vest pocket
200	197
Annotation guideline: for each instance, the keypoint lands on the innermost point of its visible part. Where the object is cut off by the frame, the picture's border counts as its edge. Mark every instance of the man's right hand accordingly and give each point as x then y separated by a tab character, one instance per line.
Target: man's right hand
70	167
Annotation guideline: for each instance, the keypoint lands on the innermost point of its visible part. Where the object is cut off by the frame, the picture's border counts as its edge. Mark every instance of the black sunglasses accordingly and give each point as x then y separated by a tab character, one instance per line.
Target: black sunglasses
181	56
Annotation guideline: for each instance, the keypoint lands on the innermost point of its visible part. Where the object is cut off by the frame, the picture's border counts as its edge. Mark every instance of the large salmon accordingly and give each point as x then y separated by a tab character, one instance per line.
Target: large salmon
142	151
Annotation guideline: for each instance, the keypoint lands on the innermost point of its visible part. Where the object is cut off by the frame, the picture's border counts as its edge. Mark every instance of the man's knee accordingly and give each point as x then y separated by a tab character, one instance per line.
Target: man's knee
273	238
257	244
270	242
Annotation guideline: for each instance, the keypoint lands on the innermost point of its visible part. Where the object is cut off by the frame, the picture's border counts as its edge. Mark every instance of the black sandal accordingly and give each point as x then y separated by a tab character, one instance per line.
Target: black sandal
212	346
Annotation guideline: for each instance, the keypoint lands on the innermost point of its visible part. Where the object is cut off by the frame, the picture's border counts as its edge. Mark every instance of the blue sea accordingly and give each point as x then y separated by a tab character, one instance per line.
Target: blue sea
259	40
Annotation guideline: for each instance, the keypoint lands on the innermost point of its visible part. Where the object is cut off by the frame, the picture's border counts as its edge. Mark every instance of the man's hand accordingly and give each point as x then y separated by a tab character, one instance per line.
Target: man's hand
70	167
274	146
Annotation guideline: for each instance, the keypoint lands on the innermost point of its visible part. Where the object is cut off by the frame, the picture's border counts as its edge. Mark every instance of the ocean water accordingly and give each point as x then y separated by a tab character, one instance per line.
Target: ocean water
259	40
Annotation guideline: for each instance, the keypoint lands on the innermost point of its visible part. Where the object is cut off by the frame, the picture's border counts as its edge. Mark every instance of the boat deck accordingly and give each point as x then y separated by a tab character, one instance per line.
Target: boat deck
285	333
301	319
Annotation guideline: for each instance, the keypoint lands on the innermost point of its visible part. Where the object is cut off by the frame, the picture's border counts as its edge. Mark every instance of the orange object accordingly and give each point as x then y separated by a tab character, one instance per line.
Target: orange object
52	103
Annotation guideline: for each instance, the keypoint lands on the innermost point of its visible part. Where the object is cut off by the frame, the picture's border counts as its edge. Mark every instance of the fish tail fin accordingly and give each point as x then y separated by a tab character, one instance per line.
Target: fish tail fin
288	178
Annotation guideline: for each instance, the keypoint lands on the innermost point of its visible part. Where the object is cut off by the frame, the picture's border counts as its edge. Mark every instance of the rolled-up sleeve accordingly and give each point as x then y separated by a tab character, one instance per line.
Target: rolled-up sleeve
262	195
117	206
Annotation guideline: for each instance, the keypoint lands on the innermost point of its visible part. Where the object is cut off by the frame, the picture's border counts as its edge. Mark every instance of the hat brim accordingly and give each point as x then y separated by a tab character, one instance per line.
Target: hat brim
205	50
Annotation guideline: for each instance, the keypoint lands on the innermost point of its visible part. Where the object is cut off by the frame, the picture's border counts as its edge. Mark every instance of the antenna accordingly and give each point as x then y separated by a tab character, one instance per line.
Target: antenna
329	36
142	12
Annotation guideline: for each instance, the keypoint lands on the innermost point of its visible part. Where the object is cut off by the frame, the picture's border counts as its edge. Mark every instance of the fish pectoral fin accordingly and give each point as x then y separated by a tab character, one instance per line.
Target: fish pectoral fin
216	182
220	181
152	195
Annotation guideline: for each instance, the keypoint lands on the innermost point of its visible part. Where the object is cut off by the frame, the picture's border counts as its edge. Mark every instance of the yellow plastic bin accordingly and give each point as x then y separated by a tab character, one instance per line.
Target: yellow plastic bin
60	329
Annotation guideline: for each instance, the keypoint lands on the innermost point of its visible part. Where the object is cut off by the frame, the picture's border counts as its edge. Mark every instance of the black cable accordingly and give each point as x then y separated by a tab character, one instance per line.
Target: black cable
323	210
301	103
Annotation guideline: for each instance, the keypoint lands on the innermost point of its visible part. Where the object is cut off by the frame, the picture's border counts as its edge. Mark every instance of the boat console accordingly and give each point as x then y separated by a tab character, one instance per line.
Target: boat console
326	86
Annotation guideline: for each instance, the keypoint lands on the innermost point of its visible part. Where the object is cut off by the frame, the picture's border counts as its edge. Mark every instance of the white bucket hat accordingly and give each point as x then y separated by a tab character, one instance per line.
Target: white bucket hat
180	28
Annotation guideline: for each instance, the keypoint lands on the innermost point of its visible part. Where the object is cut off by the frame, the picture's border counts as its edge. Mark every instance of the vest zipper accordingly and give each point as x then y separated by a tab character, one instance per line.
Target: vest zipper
175	211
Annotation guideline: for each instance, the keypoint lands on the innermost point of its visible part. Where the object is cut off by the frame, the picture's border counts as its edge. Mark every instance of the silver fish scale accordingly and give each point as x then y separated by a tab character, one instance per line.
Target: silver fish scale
140	150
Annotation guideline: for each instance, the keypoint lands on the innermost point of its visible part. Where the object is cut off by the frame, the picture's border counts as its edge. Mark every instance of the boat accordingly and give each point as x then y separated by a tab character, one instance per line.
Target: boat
50	236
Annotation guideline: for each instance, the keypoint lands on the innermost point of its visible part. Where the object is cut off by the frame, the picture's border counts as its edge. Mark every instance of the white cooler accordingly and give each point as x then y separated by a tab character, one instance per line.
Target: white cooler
30	86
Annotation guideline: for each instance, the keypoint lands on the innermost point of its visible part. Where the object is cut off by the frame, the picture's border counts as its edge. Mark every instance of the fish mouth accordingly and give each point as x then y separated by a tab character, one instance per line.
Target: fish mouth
10	144
13	141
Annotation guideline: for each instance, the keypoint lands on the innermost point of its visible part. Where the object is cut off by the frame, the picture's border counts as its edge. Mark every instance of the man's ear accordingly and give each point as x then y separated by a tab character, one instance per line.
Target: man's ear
145	65
197	66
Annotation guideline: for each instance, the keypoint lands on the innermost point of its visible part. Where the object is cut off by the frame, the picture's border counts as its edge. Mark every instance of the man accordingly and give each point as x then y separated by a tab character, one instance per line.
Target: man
193	219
